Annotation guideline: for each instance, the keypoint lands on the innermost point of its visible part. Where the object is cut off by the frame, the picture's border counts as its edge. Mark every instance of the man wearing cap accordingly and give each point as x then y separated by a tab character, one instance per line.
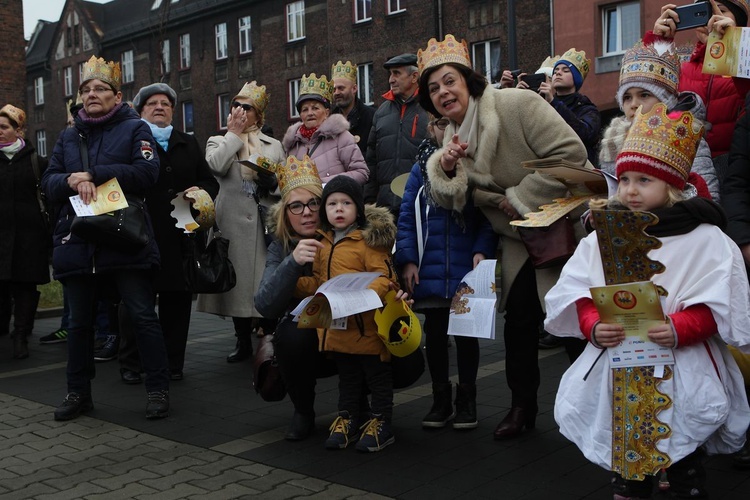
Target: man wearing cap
563	94
346	102
398	128
183	167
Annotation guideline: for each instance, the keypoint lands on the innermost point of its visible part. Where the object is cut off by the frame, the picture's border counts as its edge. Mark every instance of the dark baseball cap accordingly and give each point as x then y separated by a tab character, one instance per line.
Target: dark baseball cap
402	60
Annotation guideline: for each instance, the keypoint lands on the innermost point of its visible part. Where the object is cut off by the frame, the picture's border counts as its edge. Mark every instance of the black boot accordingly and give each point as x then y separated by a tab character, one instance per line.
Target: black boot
23	321
301	427
687	477
6	303
466	407
442	408
242	351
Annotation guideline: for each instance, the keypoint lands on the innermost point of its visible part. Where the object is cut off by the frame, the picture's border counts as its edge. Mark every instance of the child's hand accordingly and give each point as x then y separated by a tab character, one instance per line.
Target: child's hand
478	257
662	335
401	294
410	273
305	251
608	334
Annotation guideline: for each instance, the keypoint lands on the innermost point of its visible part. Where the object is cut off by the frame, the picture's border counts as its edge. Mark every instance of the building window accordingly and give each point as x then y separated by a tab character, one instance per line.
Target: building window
293	95
41	143
188	124
395	6
246	44
620	27
39	90
245	67
295	21
165	55
80	73
223	111
185	51
221	40
157	4
126	59
362	10
68	80
486	58
365	87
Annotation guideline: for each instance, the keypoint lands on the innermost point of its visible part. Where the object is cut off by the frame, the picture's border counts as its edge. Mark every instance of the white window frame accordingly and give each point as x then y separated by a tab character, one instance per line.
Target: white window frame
394	9
184	115
293	92
244	24
617	9
185	51
295	21
166	54
362	11
39	90
365	92
41	143
220	32
487	44
68	80
223	109
126	62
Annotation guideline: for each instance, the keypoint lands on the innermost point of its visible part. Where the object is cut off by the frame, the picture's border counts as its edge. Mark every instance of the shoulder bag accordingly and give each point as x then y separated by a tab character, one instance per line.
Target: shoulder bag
207	267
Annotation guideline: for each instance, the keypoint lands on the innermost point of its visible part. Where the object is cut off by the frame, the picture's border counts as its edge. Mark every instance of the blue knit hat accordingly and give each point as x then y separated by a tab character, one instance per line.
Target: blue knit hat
578	63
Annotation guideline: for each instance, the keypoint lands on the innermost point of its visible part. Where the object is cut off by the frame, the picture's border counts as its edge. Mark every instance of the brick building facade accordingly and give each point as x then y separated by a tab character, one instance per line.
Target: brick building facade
11	54
214	46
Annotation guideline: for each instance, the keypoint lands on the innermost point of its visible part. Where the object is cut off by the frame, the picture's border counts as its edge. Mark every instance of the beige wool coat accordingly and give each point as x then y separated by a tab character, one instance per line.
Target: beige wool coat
515	125
237	218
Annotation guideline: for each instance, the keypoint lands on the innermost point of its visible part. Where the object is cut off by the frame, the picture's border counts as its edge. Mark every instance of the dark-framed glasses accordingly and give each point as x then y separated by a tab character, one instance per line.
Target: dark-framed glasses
243	105
442	123
297	207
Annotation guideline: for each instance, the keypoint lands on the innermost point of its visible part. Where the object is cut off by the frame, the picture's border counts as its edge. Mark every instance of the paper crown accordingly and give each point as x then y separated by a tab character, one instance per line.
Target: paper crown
344	70
13	113
548	65
649	64
297	173
661	145
400	338
257	94
313	86
99	69
578	59
437	53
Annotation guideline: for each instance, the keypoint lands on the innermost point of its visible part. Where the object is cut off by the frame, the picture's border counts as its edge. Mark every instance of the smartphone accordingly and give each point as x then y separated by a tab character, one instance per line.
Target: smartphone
693	15
515	73
533	81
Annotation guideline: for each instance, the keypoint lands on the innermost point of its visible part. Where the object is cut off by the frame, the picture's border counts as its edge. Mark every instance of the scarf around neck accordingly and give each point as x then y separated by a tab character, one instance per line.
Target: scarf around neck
468	131
684	216
10	149
85	118
161	134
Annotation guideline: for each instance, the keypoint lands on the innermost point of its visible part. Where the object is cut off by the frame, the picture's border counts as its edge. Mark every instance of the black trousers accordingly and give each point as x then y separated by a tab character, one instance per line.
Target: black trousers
436	345
357	371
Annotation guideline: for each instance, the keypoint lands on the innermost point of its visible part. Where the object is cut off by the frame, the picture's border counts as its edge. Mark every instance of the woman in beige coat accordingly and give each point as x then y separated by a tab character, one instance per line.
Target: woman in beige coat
241	190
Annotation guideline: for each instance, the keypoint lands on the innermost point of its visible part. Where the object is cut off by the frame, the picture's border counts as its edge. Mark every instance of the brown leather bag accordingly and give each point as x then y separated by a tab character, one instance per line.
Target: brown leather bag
549	246
267	378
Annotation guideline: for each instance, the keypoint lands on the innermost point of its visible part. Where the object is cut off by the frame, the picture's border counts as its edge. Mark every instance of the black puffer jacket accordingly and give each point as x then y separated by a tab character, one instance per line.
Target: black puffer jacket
735	182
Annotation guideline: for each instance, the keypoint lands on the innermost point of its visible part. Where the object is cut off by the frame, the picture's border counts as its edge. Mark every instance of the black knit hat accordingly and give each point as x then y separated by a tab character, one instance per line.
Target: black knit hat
740	13
350	187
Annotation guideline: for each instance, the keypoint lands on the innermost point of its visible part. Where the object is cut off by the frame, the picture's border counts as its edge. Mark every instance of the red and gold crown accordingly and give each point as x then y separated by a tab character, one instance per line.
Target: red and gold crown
313	86
578	59
16	114
645	64
99	69
344	70
297	173
437	53
257	94
662	145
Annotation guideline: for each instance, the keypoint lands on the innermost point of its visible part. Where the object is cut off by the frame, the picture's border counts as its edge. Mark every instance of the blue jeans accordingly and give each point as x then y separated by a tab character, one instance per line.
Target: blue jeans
136	289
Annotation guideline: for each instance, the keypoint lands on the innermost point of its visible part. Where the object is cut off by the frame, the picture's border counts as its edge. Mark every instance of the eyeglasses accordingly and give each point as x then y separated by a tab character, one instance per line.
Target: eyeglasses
95	90
442	123
243	105
297	207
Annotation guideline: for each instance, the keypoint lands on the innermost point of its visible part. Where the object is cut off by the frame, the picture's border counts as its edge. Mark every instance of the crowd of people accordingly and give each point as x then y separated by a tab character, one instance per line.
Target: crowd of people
323	203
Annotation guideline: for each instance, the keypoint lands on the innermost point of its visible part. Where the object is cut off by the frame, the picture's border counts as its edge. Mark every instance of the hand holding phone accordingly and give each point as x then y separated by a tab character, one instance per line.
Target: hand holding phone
533	81
693	15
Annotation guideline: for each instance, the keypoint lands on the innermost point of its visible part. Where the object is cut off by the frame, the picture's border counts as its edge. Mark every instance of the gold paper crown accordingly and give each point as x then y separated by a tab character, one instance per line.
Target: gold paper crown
578	59
437	53
257	94
297	173
99	69
643	63
312	85
344	70
15	114
672	140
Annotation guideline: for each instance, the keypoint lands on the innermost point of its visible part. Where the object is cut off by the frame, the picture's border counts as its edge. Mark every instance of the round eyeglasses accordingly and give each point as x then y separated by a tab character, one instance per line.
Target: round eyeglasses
297	207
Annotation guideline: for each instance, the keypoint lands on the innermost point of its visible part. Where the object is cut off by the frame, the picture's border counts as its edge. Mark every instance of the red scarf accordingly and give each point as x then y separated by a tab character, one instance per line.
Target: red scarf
307	133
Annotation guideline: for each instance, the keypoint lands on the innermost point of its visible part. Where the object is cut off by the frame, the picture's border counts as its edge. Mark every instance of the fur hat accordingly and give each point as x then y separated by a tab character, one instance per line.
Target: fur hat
350	187
146	92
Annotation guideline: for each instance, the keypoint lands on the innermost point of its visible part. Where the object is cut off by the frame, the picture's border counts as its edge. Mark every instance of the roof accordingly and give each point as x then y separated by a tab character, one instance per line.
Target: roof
37	51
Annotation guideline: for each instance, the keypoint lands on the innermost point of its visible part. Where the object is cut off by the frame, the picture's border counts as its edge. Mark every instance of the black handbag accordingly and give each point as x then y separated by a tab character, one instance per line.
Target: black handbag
207	267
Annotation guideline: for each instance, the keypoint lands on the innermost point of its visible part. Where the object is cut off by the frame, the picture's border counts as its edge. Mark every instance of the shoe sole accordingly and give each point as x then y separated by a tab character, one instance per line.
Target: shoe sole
64	418
132	382
437	425
157	415
56	341
465	425
102	358
373	449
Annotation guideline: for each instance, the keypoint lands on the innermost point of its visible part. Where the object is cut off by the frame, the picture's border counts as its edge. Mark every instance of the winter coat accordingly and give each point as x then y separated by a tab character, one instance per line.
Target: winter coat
703	165
181	166
724	97
584	118
735	188
24	240
238	219
449	248
337	152
360	123
120	147
362	250
397	131
508	138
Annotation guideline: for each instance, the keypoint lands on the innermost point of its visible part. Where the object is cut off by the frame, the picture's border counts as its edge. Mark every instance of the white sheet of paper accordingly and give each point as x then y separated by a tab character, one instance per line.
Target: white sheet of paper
473	308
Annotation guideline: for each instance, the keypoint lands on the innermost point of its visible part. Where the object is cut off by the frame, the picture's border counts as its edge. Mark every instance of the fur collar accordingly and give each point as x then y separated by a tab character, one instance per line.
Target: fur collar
333	126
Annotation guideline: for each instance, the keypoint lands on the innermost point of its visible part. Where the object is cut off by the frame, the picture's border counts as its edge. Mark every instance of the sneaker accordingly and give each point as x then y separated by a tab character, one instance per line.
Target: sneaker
343	432
59	335
73	405
108	351
375	436
158	405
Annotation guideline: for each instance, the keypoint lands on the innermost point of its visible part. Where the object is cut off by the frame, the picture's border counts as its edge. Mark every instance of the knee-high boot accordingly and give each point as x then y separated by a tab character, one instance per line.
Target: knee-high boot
24	310
5	311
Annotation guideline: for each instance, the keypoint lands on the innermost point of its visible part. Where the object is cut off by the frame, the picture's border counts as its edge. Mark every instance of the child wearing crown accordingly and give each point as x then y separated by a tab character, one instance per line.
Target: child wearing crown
653	421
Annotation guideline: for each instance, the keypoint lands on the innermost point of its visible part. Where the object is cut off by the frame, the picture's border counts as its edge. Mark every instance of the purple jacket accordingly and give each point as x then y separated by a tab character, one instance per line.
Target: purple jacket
337	152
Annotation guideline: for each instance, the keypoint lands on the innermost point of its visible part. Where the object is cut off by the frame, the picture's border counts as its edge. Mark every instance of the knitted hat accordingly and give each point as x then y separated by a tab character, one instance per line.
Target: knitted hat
146	92
661	145
350	187
578	63
655	68
740	9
